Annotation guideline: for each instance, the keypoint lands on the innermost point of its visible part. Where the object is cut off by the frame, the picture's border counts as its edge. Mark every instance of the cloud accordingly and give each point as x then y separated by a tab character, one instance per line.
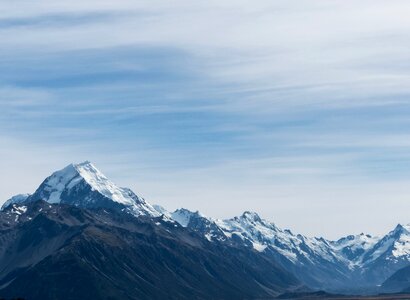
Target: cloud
208	105
325	53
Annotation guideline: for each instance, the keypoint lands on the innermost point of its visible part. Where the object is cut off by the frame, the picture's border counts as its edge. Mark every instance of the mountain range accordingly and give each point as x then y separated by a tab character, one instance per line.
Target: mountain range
80	236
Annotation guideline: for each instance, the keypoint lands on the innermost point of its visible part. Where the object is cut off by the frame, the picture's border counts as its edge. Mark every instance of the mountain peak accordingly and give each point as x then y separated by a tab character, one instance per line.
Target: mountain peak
86	168
100	183
67	178
84	185
252	216
183	216
84	163
400	229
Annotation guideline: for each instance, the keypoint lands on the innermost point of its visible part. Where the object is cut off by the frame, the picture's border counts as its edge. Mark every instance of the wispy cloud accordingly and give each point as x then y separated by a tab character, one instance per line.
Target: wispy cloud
211	104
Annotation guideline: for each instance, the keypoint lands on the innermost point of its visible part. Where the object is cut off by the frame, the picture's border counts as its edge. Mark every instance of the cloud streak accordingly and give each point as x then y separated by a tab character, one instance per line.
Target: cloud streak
207	105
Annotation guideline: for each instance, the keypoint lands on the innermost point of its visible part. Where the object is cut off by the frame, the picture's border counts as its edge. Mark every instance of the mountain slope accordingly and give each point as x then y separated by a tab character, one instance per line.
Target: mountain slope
51	251
398	282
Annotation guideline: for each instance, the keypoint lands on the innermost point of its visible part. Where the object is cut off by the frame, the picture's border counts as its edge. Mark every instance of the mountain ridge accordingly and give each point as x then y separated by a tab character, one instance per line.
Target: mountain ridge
351	262
59	251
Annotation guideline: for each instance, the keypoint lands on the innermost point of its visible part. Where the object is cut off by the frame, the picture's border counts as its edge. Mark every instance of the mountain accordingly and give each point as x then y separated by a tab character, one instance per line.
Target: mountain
388	255
83	185
354	247
199	223
60	251
356	263
311	260
352	264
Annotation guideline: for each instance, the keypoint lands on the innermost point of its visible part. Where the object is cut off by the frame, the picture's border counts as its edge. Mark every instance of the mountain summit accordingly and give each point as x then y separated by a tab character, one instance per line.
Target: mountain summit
83	185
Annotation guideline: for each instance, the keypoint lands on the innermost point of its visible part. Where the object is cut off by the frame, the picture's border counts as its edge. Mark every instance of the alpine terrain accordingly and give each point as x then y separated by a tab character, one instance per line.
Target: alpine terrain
80	236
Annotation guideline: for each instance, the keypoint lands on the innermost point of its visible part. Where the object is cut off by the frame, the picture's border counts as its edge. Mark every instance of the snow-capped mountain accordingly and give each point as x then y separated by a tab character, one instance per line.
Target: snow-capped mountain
85	186
312	260
262	234
354	247
395	246
200	223
351	262
388	255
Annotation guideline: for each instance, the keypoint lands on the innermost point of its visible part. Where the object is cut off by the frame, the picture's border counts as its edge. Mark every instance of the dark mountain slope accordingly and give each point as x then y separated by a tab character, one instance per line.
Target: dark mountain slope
398	282
63	252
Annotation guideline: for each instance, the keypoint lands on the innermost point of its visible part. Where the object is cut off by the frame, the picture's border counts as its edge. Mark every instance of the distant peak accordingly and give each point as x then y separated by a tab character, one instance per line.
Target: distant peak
399	227
86	166
184	210
182	216
402	228
251	216
160	209
188	212
84	169
84	163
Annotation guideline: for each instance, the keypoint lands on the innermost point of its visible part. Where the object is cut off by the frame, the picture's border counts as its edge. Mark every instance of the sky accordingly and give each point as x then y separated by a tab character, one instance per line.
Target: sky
298	110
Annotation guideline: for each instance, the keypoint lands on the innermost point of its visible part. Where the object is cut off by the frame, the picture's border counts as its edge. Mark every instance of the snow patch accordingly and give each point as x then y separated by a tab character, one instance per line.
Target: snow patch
15	200
102	184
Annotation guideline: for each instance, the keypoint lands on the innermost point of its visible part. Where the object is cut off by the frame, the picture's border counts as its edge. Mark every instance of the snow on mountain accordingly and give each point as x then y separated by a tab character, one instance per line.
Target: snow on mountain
316	261
15	200
69	177
84	185
401	247
263	234
13	213
352	252
184	216
161	210
354	258
100	183
198	222
255	231
394	246
354	247
380	258
359	259
312	260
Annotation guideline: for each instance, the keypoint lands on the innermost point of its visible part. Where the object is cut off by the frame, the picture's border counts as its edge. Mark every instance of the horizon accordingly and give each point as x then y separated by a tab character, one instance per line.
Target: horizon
298	111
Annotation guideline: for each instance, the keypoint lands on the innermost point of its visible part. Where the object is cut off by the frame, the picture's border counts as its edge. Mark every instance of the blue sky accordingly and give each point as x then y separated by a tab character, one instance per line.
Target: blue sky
298	110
